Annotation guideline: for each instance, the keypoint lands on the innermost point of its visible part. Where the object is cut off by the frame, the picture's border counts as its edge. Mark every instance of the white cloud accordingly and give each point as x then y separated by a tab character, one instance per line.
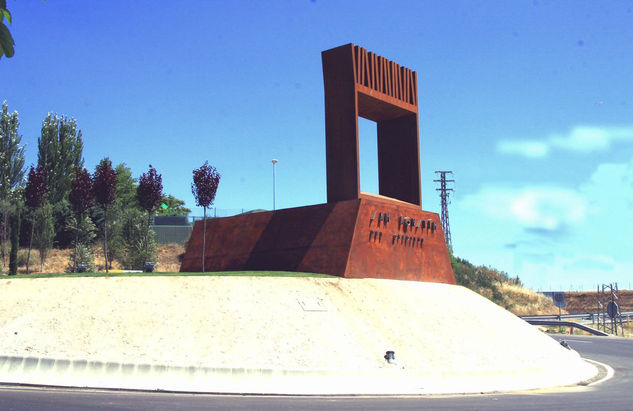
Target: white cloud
544	208
526	148
610	186
582	139
553	237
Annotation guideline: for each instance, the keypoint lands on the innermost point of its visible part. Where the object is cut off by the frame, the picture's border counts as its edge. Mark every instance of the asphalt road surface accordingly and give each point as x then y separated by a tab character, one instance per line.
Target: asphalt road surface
613	394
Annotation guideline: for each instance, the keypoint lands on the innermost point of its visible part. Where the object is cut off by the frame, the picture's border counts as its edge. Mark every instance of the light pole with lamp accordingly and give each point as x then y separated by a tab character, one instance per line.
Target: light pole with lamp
274	162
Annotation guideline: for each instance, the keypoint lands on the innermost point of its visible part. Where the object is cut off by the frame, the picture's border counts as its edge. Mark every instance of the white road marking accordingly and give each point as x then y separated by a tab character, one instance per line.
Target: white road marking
575	341
610	372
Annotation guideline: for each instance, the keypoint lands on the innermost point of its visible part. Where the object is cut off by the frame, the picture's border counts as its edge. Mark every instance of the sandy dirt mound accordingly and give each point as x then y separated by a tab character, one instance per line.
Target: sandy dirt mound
273	323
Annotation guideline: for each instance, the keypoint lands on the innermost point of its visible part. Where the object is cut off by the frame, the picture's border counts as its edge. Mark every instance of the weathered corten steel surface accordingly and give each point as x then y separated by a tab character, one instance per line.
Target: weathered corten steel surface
366	237
313	239
361	83
354	234
398	240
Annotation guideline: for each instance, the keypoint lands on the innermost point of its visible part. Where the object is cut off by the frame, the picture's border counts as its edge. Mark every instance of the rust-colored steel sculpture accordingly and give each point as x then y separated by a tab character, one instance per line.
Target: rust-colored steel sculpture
360	83
354	234
365	237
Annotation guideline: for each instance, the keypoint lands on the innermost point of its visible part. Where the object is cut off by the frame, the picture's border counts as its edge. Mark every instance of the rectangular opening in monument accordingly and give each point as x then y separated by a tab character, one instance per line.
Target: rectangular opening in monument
368	155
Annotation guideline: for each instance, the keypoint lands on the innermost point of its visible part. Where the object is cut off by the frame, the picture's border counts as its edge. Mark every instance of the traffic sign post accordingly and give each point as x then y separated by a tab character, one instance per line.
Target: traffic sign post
613	309
608	298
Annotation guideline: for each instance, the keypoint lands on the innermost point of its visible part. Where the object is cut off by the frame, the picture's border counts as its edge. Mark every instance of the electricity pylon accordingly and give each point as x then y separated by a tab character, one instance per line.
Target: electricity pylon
444	196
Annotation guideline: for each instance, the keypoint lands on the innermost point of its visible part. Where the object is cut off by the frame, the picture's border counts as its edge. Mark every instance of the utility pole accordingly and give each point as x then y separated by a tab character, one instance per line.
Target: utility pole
444	196
274	161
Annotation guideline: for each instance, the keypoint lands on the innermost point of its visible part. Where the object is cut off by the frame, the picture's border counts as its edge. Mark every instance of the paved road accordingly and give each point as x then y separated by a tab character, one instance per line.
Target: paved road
614	394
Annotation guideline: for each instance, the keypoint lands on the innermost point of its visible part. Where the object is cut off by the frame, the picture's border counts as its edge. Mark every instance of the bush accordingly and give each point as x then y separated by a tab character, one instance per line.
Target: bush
129	240
22	256
482	280
83	229
116	245
84	232
85	256
135	253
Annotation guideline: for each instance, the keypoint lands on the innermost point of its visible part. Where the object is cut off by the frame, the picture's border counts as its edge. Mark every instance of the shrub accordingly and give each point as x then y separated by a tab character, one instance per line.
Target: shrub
85	233
132	241
85	255
482	280
22	256
135	253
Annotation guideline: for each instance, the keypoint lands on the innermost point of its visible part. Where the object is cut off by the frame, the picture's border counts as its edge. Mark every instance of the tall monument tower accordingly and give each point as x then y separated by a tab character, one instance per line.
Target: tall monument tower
359	83
354	234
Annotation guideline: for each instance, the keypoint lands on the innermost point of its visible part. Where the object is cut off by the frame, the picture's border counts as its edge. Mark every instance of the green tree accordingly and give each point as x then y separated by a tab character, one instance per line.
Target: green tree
138	246
11	171
60	153
15	239
172	206
45	232
6	40
82	253
125	188
124	203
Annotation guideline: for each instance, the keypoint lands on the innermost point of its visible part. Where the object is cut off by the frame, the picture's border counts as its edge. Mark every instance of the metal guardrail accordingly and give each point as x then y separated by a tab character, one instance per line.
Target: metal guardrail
626	316
581	320
568	324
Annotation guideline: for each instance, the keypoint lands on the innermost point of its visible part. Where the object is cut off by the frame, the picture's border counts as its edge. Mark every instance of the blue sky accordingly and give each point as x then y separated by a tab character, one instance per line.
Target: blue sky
530	103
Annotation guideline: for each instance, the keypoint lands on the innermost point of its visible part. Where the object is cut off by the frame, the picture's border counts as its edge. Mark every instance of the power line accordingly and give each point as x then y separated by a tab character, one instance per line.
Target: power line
444	196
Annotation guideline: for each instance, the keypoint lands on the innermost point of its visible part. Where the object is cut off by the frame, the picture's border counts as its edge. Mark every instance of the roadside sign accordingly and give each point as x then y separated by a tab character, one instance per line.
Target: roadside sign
559	299
613	309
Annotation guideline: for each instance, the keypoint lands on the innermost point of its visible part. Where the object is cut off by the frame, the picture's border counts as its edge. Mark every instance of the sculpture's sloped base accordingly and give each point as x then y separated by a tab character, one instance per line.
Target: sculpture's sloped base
366	237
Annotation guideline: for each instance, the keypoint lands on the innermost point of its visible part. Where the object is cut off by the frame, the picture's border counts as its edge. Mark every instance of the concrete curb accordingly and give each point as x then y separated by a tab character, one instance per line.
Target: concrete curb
152	377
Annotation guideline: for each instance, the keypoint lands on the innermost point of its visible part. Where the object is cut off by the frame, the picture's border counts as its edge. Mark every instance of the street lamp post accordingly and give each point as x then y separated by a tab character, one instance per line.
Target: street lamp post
274	162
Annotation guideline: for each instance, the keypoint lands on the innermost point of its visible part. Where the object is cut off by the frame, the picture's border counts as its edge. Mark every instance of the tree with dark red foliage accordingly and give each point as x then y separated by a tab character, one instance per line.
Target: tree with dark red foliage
34	193
81	198
104	189
204	187
149	194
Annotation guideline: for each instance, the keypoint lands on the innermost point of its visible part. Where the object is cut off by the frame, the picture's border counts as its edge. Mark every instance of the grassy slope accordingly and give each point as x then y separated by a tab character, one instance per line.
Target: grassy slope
160	274
500	288
493	284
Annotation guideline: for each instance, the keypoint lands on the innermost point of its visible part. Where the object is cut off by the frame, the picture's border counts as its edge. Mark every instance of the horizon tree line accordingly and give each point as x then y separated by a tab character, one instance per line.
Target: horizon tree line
60	203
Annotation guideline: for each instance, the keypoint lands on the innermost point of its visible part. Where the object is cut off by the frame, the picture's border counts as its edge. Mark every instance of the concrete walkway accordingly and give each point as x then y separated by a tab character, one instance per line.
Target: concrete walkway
271	336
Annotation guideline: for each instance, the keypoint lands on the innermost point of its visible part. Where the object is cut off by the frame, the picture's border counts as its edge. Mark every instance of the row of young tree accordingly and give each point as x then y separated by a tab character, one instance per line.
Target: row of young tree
60	203
87	191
